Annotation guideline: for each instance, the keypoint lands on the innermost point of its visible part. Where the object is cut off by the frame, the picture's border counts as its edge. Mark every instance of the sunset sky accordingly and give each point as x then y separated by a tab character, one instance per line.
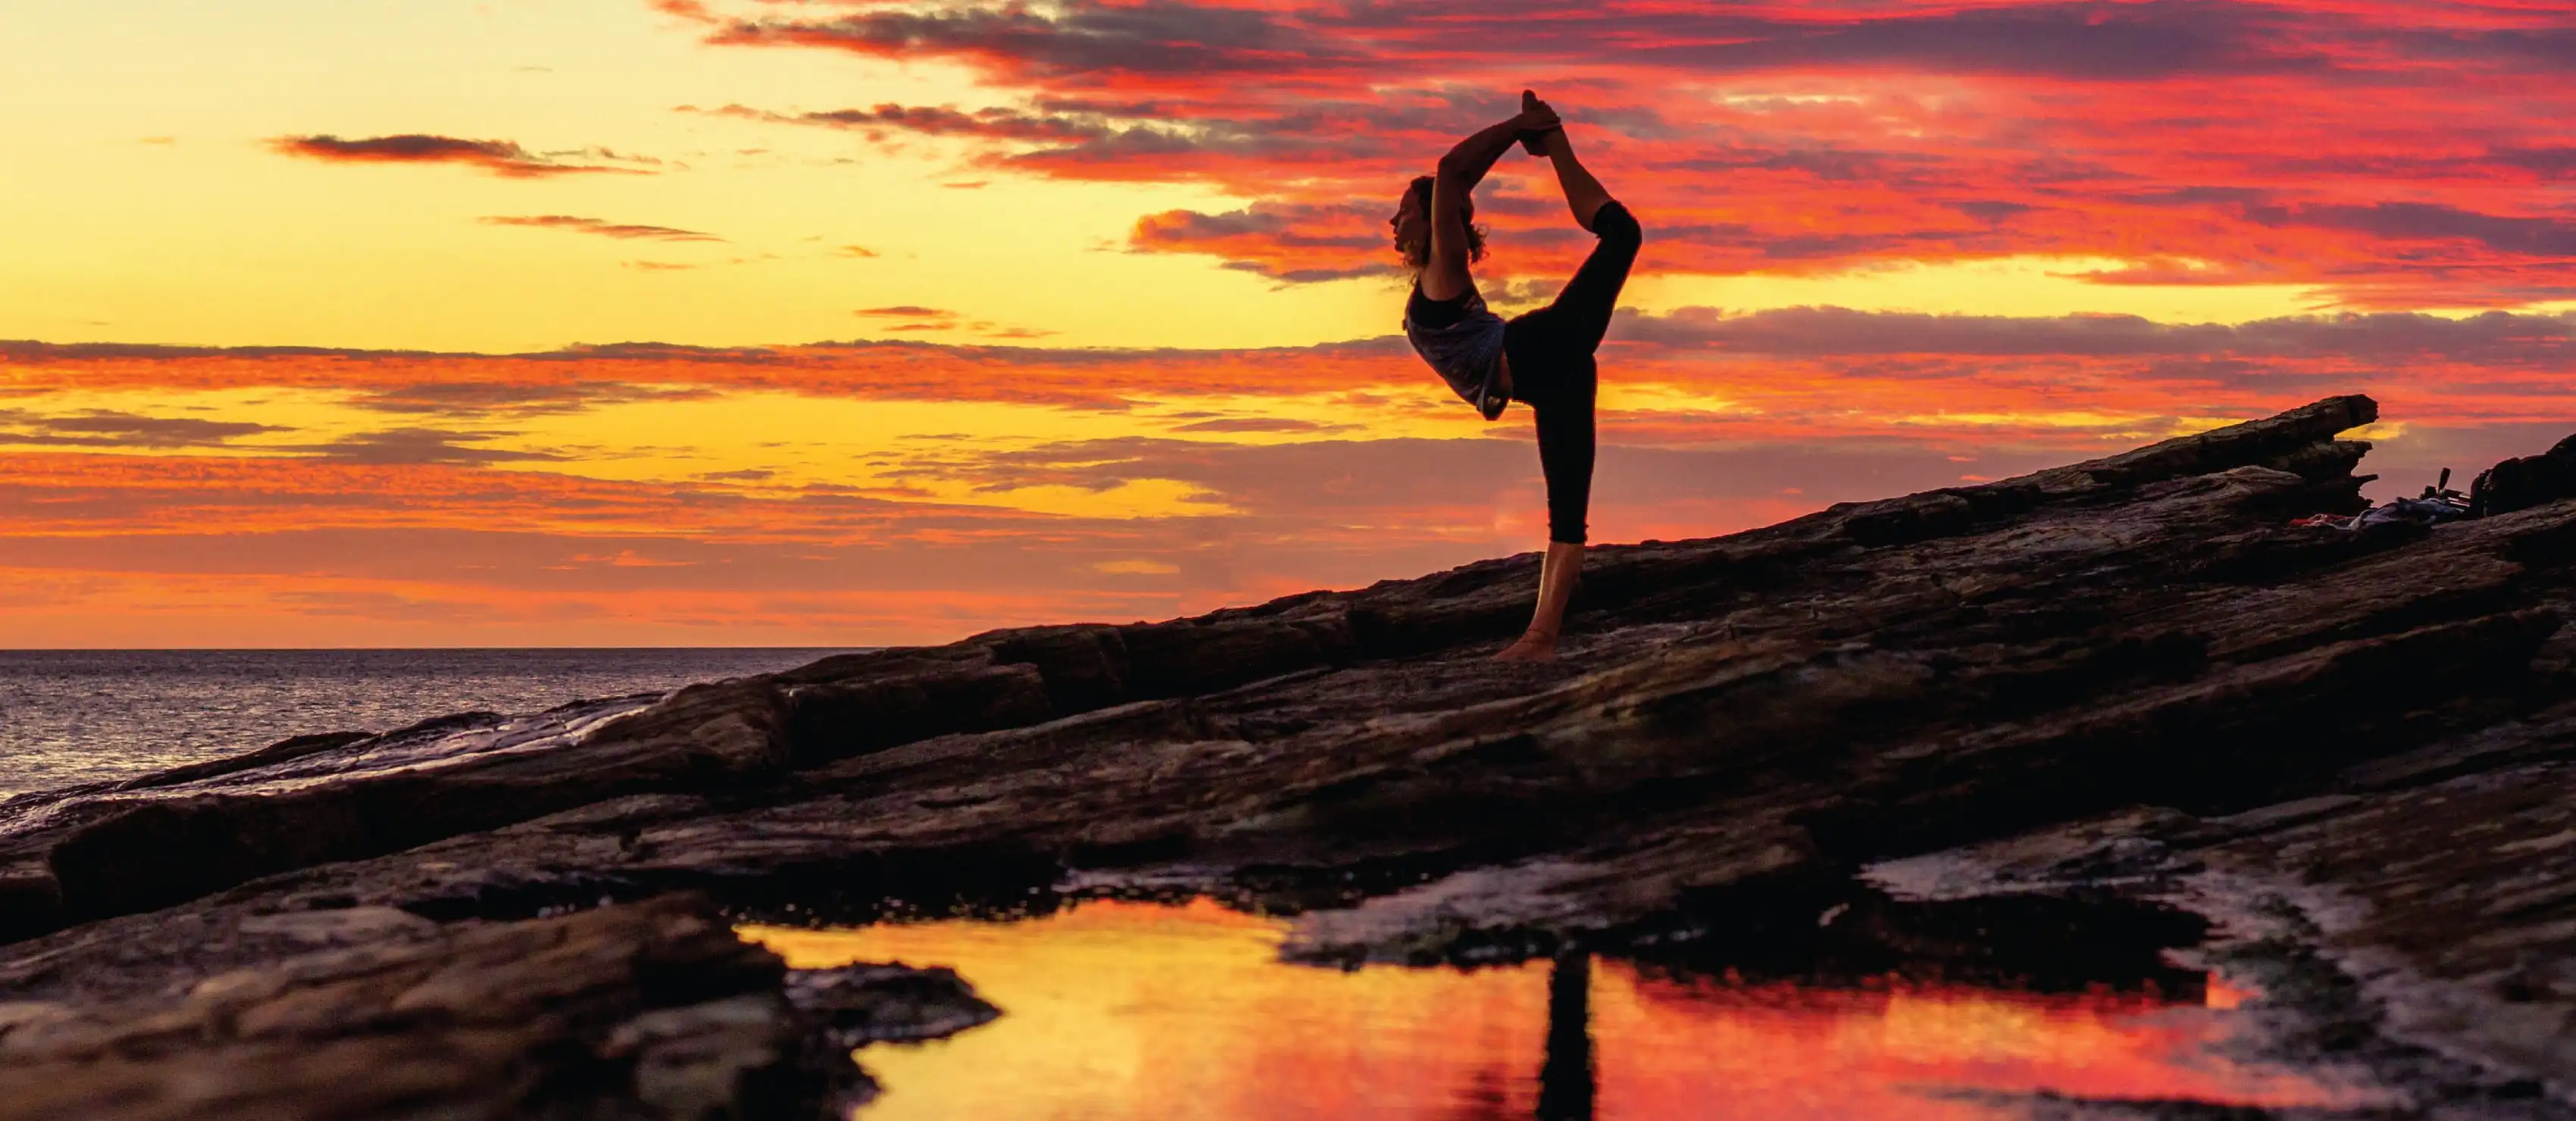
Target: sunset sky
847	322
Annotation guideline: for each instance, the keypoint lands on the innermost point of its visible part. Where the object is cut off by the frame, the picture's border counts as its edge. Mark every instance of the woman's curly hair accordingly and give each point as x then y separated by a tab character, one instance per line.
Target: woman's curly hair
1417	255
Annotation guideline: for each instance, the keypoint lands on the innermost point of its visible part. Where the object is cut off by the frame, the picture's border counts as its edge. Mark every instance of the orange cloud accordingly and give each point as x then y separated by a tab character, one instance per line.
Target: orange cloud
601	227
906	311
500	157
109	428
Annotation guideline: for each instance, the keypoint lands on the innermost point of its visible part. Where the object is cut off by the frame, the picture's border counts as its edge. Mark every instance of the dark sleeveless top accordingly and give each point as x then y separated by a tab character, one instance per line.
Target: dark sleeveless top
1463	342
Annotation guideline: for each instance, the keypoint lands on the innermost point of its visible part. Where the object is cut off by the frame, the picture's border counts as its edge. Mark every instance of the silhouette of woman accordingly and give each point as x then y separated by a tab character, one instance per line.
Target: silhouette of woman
1542	359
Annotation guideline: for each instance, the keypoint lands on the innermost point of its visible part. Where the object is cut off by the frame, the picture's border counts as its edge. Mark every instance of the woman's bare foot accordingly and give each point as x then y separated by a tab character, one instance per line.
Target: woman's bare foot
1534	646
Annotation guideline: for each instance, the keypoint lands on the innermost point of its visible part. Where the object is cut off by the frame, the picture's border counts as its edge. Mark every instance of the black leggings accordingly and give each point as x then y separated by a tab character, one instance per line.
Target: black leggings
1553	373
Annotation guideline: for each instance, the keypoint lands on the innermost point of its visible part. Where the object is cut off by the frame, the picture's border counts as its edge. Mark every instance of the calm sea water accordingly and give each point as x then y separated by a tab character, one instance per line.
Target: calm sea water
71	716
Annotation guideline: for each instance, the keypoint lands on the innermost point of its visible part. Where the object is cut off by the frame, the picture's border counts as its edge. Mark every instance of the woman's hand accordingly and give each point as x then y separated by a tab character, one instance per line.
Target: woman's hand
1536	117
1535	123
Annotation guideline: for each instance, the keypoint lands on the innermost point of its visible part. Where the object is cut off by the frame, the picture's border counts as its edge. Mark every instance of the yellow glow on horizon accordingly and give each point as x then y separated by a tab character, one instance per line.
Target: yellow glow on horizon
1649	396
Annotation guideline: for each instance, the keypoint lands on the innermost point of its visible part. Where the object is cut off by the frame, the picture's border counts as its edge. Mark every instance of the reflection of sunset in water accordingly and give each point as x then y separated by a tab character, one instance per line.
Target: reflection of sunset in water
1681	1049
1128	1010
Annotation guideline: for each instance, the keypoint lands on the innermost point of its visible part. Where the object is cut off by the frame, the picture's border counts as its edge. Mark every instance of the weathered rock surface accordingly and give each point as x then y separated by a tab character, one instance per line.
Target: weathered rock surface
2527	481
2369	730
645	1010
876	1003
161	839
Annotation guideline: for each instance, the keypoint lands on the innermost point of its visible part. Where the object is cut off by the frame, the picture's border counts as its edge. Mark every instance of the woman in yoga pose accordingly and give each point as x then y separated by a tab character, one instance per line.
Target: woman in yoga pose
1542	359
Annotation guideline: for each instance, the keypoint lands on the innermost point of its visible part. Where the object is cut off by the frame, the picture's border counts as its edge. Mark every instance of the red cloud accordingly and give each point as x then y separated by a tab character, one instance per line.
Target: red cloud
945	120
1288	242
2389	153
500	157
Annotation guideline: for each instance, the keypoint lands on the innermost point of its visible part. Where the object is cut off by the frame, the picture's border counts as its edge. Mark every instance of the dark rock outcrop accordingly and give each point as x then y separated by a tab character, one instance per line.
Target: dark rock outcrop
875	1003
647	1010
174	836
2367	725
2520	484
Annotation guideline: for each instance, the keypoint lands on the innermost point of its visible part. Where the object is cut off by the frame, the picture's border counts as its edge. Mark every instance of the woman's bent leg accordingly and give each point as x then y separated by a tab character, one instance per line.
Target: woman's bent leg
1584	306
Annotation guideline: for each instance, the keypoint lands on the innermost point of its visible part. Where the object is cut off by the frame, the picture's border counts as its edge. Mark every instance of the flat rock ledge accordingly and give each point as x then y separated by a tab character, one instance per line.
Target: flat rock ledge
2340	761
651	1009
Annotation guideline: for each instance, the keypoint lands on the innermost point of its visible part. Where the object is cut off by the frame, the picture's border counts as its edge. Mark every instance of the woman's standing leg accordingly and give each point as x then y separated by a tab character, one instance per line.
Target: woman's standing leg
1565	447
1565	452
1554	345
1555	374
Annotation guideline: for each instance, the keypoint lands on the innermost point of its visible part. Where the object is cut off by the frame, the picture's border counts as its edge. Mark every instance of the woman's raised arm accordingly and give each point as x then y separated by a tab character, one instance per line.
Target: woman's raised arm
1584	195
1460	170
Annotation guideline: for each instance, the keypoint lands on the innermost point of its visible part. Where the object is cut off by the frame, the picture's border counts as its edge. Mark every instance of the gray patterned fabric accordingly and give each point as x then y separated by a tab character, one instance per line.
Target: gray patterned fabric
1463	342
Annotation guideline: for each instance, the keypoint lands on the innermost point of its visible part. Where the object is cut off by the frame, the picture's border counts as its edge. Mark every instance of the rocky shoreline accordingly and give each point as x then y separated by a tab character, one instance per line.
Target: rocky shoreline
2344	760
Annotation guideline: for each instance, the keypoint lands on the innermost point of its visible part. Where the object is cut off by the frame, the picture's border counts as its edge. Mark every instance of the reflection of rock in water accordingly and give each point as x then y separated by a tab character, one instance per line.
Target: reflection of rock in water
1565	1081
2368	730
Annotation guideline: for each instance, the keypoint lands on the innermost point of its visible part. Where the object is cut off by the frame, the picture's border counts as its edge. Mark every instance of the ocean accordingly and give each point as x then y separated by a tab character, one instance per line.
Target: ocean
70	716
